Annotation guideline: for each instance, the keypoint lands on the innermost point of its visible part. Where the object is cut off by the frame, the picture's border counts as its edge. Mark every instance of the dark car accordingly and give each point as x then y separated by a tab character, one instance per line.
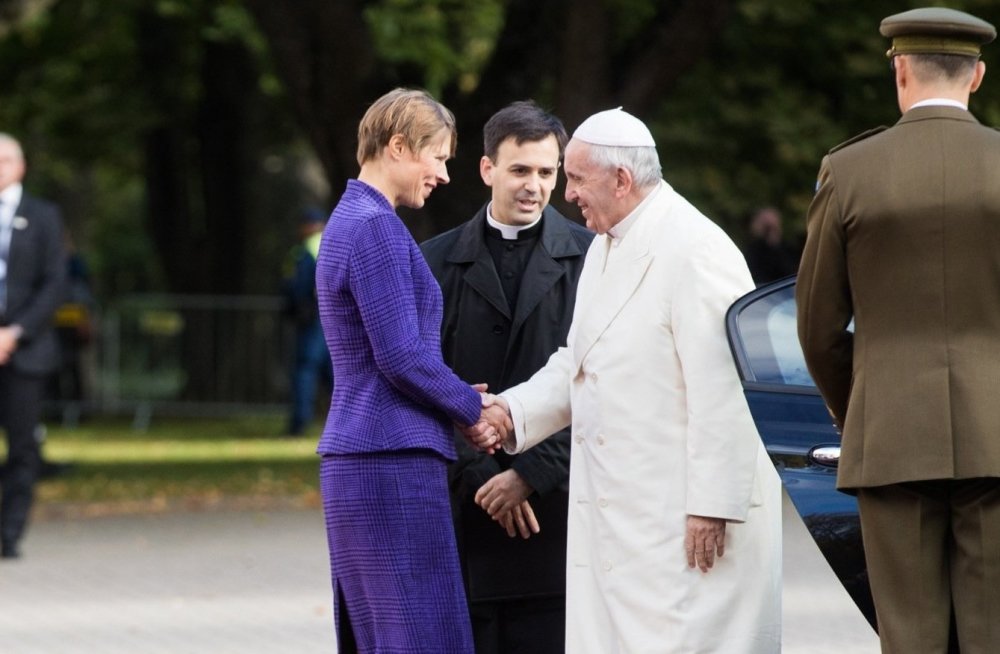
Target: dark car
797	428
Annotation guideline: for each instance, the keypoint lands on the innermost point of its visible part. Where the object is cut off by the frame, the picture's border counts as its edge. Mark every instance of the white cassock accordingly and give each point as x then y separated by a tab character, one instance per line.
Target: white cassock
661	430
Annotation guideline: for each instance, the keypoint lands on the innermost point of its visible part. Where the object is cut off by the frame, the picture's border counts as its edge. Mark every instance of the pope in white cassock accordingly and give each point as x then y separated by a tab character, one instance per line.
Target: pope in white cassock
675	509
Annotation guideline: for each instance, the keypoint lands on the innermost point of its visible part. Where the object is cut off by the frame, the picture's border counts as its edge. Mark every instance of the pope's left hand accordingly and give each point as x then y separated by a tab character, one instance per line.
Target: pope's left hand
704	540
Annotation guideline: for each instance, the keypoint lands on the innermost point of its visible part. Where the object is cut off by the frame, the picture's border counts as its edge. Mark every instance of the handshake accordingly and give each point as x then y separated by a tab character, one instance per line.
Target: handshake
494	427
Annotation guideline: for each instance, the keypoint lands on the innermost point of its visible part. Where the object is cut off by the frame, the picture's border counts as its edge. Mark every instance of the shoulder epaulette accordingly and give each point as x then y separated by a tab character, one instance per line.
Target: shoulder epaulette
860	137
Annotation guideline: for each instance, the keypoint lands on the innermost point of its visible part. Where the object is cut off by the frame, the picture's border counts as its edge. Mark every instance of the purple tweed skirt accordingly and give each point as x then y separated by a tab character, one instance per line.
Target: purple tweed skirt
397	585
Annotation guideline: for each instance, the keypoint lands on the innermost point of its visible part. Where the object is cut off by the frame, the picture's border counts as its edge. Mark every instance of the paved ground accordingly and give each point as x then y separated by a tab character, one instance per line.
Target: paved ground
252	582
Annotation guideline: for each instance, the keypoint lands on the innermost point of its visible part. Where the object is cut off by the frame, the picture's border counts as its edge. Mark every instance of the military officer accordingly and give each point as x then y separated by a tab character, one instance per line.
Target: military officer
904	238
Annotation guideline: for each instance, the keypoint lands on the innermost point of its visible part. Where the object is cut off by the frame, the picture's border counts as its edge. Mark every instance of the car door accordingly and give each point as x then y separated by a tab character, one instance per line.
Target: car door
797	429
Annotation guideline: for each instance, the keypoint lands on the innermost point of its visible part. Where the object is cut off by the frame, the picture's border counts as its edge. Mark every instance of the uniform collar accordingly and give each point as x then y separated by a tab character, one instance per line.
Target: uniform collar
939	102
935	112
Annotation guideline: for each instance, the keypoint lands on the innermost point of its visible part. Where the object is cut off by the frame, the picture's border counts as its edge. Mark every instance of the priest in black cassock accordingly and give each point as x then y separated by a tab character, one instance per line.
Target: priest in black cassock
509	279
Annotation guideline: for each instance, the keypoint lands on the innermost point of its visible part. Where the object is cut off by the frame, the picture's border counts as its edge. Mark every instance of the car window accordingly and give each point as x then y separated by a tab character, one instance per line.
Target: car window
770	340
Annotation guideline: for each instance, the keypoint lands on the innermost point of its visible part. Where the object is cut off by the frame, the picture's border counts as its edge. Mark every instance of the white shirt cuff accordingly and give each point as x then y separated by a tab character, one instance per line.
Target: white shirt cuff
517	417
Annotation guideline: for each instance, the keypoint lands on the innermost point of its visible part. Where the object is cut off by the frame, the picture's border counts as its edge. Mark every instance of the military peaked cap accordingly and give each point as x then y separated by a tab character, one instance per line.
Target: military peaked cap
936	30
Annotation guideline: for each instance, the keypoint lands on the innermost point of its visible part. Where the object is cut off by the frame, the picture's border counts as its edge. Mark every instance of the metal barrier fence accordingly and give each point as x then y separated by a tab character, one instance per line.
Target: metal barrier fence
189	355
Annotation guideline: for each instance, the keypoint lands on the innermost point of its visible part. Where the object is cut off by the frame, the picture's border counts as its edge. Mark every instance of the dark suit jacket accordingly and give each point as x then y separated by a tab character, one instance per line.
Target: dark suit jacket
36	284
484	341
904	237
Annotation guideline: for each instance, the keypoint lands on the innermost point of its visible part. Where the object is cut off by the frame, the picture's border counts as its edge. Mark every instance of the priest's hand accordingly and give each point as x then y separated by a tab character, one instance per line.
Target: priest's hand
704	541
502	492
521	519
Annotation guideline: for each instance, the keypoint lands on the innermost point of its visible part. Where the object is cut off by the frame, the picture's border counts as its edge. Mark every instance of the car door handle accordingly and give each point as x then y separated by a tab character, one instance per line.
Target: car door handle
825	455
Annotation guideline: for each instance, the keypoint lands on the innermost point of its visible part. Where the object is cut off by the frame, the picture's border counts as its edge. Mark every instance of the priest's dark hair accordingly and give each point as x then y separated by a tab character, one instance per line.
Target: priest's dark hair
522	121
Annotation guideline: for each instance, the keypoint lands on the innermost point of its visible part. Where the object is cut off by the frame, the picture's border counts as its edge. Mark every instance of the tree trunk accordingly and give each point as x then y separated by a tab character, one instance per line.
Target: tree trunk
229	89
170	214
584	84
326	59
677	44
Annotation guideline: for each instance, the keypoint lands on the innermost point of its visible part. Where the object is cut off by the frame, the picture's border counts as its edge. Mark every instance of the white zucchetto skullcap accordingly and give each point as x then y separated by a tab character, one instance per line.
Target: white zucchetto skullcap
616	128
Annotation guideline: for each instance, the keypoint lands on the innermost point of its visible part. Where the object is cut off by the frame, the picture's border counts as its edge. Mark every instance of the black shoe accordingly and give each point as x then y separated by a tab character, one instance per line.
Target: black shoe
9	550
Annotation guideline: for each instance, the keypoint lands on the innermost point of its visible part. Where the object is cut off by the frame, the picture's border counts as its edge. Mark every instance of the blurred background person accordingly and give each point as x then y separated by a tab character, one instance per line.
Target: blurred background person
768	255
509	280
75	327
311	367
32	278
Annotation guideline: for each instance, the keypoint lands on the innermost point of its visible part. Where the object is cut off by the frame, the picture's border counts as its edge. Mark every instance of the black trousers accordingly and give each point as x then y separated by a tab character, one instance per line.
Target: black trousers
20	411
523	626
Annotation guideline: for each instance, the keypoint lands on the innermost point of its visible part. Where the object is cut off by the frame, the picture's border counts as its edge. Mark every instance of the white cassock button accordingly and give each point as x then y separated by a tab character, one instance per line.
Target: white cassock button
608	566
593	377
600	440
579	439
602	502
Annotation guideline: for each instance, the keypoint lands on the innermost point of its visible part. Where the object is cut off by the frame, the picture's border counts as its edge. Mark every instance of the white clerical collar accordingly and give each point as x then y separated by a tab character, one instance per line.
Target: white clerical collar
508	232
939	102
619	230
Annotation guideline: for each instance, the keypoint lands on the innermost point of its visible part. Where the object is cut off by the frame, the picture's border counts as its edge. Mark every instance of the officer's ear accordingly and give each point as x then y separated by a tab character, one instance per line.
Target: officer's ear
977	77
901	68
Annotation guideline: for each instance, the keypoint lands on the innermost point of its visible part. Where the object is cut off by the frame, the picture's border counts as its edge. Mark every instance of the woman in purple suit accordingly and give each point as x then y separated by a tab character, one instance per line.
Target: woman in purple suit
388	438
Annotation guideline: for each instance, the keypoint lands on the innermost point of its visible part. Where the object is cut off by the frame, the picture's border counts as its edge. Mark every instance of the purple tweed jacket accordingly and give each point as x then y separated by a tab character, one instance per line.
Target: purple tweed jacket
381	308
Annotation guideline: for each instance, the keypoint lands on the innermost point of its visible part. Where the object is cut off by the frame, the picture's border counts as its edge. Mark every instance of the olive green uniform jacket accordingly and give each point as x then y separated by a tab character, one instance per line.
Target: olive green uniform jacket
904	238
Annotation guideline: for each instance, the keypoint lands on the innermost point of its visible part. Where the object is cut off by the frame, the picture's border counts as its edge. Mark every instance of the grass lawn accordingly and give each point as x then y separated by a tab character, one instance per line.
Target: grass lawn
178	463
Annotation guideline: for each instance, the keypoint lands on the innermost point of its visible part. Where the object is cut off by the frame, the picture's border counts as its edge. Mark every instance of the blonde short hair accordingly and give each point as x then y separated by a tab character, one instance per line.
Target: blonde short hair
414	114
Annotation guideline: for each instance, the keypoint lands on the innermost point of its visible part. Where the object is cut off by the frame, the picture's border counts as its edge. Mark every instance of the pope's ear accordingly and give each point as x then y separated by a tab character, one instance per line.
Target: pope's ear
486	170
623	182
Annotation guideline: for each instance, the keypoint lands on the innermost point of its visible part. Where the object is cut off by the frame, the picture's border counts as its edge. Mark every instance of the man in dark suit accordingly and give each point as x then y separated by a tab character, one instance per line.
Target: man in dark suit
32	274
509	279
904	238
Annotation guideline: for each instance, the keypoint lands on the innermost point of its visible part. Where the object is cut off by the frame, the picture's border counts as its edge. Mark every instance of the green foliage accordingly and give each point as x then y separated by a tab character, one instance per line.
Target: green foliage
631	17
64	75
231	22
118	249
77	94
786	82
445	40
68	96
